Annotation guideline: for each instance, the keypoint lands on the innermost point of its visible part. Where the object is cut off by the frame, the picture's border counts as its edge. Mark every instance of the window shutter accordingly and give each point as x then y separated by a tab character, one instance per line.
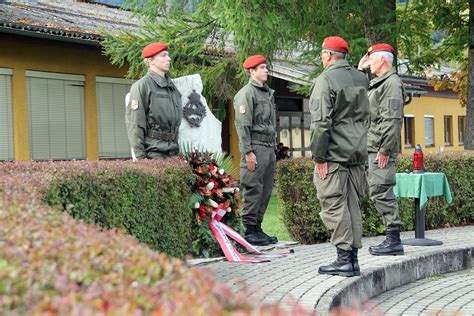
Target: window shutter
6	129
113	140
56	110
429	137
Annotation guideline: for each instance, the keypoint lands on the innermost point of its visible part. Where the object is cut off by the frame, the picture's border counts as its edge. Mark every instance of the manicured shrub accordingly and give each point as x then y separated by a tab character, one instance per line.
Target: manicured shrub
459	169
300	206
298	202
147	199
53	264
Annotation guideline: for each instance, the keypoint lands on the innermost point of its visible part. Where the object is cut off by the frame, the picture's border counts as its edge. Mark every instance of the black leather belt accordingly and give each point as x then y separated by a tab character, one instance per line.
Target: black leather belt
262	137
161	135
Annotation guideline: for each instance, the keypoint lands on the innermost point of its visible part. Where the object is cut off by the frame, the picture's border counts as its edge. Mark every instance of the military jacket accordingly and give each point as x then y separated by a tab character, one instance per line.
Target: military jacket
255	120
386	98
339	109
153	116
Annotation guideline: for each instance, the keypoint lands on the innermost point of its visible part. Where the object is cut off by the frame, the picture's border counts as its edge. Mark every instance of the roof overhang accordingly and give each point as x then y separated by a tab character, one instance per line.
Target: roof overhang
50	33
287	72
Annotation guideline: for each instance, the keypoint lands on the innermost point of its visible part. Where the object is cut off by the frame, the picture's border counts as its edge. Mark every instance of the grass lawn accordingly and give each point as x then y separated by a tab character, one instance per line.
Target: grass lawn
272	223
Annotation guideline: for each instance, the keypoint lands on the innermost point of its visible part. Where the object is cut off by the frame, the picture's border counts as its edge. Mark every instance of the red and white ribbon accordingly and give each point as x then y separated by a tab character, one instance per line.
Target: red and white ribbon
221	231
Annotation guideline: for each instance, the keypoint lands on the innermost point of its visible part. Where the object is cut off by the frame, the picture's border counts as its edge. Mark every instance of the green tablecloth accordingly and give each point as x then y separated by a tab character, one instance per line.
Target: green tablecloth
416	185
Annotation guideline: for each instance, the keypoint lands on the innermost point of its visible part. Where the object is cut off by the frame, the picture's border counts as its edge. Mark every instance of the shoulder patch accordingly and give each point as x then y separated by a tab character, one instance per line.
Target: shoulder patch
314	104
395	104
134	105
242	109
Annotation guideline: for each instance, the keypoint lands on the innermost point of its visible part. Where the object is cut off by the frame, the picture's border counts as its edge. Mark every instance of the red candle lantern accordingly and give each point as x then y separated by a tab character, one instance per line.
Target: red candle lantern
418	164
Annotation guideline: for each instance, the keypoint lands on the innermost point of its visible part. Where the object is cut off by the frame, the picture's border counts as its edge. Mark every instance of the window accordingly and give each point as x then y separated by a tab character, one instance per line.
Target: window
56	110
113	139
289	104
429	131
461	129
409	130
448	130
6	129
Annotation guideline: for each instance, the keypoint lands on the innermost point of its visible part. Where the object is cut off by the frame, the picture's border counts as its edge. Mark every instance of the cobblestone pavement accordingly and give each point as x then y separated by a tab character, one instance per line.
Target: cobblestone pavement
445	294
295	278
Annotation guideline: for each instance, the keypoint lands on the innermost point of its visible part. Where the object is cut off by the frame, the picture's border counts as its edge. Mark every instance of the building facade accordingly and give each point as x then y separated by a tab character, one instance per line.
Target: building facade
60	98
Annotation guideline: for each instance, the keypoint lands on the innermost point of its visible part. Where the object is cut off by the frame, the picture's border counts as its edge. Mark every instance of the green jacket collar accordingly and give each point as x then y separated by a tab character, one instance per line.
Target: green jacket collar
163	82
340	63
263	87
378	80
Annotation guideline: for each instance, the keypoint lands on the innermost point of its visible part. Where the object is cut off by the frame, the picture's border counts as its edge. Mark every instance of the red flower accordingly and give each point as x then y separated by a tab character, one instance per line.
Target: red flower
202	212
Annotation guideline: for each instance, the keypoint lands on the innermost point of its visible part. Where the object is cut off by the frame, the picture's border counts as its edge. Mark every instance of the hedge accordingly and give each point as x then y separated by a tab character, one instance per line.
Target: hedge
53	264
148	200
300	207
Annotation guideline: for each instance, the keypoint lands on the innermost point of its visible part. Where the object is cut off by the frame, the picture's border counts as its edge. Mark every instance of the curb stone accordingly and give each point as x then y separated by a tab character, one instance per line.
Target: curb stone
373	282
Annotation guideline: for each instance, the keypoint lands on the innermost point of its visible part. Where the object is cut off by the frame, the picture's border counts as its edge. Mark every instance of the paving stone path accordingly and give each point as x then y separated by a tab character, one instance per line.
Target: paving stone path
295	277
445	294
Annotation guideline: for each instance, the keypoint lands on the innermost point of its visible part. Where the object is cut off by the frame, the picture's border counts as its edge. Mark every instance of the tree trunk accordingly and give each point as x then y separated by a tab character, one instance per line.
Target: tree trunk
468	144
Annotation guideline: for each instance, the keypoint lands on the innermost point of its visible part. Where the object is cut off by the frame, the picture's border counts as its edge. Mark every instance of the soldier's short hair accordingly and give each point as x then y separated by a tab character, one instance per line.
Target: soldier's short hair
337	55
388	56
146	61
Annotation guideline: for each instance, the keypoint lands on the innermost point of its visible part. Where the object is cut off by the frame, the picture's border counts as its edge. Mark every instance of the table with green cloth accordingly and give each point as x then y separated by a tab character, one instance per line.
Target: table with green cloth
420	186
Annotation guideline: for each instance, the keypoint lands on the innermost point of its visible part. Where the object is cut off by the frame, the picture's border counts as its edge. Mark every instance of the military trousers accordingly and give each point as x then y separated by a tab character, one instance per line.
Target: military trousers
381	183
257	185
339	195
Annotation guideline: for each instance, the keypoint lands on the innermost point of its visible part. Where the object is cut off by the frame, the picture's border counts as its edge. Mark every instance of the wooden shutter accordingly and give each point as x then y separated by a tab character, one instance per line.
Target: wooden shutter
6	129
113	140
429	131
56	111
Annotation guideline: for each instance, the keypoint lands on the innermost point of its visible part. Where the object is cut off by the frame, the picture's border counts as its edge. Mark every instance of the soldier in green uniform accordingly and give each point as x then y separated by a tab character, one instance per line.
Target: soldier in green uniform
153	112
339	113
386	112
255	123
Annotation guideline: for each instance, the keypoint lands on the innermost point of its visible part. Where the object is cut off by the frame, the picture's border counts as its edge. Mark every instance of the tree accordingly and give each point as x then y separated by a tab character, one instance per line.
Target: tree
469	143
433	32
213	37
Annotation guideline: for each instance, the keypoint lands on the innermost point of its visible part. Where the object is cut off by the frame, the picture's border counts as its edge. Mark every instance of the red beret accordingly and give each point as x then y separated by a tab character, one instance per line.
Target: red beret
153	49
336	43
381	48
254	61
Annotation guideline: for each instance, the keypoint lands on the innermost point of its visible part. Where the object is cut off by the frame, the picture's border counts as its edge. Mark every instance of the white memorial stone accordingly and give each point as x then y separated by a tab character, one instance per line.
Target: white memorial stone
206	137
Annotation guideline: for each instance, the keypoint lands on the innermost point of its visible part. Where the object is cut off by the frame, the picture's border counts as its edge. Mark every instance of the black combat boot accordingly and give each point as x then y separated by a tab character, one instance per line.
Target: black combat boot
255	238
355	261
271	239
342	266
391	246
382	244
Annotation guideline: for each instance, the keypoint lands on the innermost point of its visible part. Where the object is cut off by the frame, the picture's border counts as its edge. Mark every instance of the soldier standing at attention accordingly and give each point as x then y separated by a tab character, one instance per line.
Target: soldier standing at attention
255	123
339	111
386	112
153	113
